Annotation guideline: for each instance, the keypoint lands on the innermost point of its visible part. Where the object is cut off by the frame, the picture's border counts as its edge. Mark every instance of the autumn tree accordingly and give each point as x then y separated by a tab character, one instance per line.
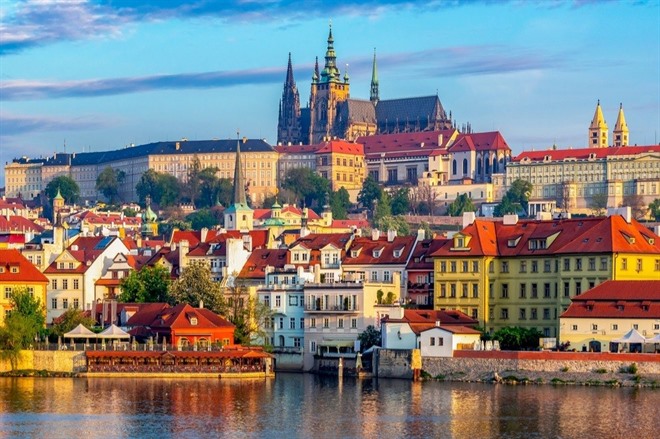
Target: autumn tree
150	284
108	183
195	285
461	204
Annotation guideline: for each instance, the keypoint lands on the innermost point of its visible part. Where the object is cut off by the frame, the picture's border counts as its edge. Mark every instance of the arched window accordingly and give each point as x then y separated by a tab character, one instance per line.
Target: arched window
453	167
465	167
487	164
495	168
479	166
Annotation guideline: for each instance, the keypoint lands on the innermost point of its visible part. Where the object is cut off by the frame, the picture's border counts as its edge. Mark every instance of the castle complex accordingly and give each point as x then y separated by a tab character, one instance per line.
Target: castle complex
333	114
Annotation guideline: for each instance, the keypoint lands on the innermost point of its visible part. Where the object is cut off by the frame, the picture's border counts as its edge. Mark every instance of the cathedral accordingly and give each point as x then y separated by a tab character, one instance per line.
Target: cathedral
331	113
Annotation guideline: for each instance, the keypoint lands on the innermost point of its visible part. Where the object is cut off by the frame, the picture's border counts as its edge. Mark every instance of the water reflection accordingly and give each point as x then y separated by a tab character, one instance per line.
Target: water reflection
310	406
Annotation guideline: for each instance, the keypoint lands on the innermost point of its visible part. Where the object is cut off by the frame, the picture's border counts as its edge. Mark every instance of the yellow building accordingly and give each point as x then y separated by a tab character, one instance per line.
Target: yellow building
535	267
16	272
342	163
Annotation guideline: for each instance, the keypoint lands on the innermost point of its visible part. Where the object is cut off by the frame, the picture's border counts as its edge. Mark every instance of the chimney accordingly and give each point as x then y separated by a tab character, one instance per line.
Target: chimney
304	232
375	234
183	253
201	304
203	234
421	235
624	211
468	218
247	242
510	220
391	234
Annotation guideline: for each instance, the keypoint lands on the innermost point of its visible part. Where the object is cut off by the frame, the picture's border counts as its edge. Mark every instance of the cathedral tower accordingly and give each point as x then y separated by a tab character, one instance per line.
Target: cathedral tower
374	82
598	129
621	132
288	125
327	91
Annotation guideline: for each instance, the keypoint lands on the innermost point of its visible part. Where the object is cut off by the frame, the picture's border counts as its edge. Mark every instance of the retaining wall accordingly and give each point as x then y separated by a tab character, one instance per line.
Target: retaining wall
53	361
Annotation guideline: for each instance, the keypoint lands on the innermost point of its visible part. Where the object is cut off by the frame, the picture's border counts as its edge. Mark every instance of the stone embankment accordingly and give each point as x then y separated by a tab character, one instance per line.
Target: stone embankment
530	367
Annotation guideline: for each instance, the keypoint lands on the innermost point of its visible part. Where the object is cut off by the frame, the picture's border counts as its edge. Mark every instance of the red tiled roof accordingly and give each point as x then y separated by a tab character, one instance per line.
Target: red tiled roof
368	246
84	249
317	241
421	257
483	241
456	329
341	147
27	273
489	141
346	223
16	223
585	153
146	314
406	144
628	299
263	214
259	259
164	316
297	149
422	320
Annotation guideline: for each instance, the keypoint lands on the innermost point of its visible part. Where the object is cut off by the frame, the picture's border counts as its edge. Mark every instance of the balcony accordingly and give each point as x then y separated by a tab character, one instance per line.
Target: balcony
332	308
287	350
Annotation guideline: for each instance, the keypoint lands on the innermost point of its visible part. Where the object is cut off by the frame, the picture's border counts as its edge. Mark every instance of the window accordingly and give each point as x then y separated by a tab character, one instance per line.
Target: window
578	287
441	341
7	292
567	289
475	291
53	303
312	346
635	326
592	264
432	341
297	342
535	266
281	323
65	303
505	267
534	314
594	327
523	291
452	290
546	313
278	301
603	264
312	322
535	291
504	313
624	264
443	290
639	265
578	264
546	290
475	266
453	266
465	266
657	265
523	314
353	323
386	276
340	323
65	284
523	266
567	264
615	327
491	267
292	323
326	322
293	300
76	303
302	323
574	328
547	266
53	284
374	276
505	291
267	301
443	267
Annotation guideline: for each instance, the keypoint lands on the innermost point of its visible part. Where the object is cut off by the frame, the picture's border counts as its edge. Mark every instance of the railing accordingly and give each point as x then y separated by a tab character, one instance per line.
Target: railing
122	346
331	308
287	350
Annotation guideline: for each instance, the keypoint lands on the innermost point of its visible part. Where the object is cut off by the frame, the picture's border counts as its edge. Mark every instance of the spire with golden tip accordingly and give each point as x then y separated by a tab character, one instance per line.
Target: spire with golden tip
621	132
598	129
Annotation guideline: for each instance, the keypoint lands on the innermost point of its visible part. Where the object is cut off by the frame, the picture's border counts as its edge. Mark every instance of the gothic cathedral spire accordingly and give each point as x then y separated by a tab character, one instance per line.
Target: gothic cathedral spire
621	132
239	184
239	216
288	125
374	82
598	129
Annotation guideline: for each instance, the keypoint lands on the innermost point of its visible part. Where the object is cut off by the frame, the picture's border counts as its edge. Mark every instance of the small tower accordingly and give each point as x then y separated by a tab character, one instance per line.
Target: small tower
288	125
374	82
149	218
326	215
621	132
598	129
58	205
239	216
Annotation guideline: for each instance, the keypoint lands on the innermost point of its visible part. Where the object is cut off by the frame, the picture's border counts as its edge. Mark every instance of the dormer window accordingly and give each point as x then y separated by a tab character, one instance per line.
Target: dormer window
398	252
378	252
511	243
14	269
193	321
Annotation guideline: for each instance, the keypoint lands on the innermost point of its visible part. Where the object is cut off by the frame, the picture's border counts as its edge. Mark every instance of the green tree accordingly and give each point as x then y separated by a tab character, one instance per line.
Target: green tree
515	200
370	337
130	212
22	326
397	223
401	201
67	187
71	318
370	192
249	315
383	207
518	338
108	183
598	203
195	285
307	186
163	188
461	204
150	284
202	218
654	207
339	203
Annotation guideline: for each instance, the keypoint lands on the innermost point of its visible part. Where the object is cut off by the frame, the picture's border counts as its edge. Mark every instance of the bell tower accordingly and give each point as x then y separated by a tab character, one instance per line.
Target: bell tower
621	132
598	129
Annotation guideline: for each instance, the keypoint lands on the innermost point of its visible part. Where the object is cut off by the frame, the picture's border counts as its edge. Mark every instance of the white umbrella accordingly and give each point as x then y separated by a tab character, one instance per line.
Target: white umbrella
114	331
631	336
80	331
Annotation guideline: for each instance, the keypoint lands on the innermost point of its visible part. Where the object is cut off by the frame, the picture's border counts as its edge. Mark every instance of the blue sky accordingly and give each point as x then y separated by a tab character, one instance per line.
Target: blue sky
101	75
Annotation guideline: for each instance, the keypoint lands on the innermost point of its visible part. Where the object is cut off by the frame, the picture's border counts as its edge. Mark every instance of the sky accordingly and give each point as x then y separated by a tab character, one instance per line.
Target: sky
84	75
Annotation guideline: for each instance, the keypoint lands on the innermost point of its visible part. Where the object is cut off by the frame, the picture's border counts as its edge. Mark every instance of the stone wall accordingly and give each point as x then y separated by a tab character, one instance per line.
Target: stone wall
53	361
393	363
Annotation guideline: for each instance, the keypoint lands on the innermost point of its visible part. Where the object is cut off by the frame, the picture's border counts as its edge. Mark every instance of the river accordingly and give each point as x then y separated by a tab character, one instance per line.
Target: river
301	406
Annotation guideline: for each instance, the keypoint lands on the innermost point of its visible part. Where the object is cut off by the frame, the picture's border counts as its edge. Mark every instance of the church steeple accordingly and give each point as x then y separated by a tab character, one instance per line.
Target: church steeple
288	125
374	82
239	184
621	132
598	129
330	73
239	216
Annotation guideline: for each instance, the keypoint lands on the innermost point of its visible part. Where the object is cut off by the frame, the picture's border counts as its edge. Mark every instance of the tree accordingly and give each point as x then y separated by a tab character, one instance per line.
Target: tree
423	200
193	182
518	338
307	186
202	218
654	208
564	197
108	183
400	201
637	206
70	319
339	203
150	284
370	192
370	337
195	285
68	188
515	200
163	188
383	207
22	325
461	204
397	223
598	203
